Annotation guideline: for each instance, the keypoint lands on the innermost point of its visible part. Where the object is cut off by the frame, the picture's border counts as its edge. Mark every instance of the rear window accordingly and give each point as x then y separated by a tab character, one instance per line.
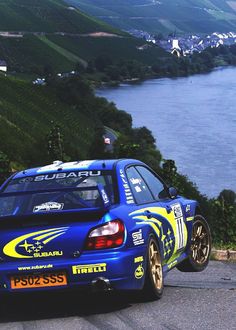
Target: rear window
59	191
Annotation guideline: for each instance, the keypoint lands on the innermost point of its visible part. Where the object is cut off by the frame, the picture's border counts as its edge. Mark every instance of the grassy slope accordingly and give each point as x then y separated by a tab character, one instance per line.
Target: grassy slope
34	52
63	52
201	16
116	48
46	16
26	113
23	54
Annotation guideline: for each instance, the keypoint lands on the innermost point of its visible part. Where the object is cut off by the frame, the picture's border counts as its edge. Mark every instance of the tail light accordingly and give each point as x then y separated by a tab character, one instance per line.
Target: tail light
106	236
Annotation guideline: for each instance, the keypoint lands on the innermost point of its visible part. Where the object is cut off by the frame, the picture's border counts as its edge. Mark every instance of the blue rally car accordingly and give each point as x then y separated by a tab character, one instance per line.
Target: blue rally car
106	224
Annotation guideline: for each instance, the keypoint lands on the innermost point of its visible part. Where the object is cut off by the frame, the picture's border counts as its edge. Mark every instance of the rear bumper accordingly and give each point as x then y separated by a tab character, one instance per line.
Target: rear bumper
118	267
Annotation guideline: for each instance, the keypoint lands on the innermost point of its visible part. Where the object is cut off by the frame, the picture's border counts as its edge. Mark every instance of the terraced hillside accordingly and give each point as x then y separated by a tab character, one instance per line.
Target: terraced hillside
46	16
117	48
37	35
61	53
31	54
26	116
198	16
42	37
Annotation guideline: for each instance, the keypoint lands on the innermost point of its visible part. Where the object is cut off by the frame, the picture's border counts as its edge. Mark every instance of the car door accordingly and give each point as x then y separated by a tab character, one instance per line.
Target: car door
175	209
167	212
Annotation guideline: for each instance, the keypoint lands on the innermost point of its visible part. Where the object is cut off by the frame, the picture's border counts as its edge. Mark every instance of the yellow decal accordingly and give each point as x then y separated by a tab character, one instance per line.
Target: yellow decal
88	269
172	264
152	223
139	272
30	245
138	259
176	224
190	219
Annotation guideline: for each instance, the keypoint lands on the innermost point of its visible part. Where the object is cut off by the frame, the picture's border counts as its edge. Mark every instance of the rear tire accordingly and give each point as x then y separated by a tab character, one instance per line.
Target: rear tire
154	284
200	248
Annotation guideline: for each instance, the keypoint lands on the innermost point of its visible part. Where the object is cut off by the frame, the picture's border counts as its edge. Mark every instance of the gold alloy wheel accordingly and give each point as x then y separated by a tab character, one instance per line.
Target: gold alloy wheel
200	245
155	265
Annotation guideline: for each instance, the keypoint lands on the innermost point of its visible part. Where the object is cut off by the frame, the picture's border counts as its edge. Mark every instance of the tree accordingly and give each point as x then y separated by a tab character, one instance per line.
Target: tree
169	170
139	143
125	148
228	196
97	149
135	69
224	209
80	67
48	70
113	72
74	91
102	61
4	167
144	135
91	67
55	143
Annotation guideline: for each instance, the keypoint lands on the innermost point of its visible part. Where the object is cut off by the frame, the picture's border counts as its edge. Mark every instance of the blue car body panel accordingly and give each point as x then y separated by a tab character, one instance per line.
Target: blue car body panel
54	242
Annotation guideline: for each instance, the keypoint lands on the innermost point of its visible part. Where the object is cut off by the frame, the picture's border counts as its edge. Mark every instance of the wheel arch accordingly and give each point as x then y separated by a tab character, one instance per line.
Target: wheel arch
150	289
198	210
189	264
152	233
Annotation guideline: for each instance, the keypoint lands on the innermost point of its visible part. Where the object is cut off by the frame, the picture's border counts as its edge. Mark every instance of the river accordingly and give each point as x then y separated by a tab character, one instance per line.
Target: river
193	120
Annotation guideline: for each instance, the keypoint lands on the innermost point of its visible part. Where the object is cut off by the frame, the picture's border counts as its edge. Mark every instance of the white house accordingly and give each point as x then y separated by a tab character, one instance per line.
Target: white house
176	50
175	44
3	66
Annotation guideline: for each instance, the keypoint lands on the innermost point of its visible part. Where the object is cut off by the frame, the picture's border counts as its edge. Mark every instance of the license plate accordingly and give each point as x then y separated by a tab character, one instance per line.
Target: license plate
38	281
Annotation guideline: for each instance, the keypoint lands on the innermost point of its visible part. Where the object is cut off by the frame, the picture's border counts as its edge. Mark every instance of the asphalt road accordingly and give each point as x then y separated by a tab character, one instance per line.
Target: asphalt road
204	300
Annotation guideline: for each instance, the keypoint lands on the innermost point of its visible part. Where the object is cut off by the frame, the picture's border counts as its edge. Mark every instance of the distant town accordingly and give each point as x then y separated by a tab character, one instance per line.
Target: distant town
187	44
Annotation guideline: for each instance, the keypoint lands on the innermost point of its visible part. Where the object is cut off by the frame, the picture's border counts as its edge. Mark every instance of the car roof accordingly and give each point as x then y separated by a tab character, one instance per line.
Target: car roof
85	165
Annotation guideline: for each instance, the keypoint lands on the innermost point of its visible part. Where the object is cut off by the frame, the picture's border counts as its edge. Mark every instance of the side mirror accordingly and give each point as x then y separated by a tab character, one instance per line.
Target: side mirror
173	192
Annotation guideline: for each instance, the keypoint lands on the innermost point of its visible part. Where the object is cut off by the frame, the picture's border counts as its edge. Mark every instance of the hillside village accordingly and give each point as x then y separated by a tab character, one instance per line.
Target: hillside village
188	44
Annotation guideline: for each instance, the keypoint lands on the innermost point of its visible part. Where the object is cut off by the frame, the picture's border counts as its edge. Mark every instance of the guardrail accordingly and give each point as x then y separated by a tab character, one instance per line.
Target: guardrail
223	255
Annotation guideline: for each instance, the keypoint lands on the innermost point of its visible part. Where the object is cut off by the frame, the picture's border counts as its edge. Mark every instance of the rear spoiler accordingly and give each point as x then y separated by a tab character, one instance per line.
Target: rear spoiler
62	217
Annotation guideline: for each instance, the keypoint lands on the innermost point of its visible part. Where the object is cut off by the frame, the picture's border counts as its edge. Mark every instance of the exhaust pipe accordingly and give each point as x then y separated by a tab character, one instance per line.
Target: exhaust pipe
101	284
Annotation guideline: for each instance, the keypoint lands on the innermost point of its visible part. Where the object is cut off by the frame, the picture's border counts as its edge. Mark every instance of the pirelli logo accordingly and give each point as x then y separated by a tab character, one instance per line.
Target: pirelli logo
89	269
